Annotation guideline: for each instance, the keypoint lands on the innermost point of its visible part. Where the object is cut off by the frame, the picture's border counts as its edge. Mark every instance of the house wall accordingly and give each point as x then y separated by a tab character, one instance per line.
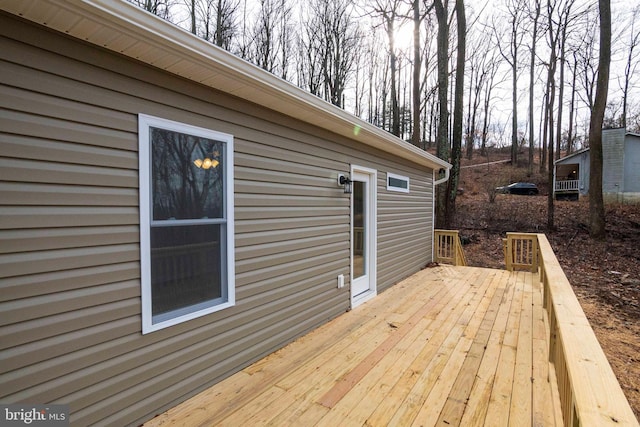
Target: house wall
612	164
69	231
621	167
632	169
582	160
585	169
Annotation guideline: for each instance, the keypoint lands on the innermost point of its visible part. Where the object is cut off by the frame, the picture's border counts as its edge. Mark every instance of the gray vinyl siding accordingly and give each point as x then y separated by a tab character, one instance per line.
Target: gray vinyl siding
632	164
69	231
613	161
405	226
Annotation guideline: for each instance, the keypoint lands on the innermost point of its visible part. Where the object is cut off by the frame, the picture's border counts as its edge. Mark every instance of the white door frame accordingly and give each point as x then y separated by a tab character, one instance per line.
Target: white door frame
371	236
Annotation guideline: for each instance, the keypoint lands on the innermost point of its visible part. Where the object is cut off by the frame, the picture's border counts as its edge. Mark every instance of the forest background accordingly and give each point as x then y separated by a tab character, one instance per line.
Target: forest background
451	76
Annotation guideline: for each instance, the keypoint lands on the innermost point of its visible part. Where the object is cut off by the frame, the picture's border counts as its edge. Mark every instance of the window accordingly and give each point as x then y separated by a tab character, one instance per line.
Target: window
397	183
186	222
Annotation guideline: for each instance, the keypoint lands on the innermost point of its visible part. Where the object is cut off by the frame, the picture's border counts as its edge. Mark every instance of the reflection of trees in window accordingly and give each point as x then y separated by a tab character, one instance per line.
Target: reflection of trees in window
180	189
358	203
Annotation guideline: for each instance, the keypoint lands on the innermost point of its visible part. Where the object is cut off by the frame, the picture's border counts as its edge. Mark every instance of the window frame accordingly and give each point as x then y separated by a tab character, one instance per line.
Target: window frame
395	188
145	122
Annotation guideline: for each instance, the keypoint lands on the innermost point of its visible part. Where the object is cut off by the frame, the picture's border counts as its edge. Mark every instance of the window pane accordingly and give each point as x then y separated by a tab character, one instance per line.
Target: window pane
187	177
185	267
399	183
359	229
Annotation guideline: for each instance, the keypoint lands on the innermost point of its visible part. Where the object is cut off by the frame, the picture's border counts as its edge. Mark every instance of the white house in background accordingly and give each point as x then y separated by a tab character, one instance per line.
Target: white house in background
620	169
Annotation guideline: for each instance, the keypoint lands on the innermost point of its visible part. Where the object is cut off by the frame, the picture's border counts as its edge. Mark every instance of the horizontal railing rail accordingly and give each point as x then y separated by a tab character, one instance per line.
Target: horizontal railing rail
448	248
589	391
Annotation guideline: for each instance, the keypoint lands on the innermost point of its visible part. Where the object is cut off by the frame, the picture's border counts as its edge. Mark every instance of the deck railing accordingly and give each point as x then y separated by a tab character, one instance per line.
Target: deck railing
589	391
521	252
448	248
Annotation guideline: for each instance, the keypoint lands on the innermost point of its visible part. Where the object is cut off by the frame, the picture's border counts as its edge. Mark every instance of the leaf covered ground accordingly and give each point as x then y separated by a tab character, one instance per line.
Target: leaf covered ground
605	275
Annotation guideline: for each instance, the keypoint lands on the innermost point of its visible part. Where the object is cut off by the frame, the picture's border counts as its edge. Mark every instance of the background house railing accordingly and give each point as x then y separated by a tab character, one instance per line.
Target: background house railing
568	185
589	391
448	248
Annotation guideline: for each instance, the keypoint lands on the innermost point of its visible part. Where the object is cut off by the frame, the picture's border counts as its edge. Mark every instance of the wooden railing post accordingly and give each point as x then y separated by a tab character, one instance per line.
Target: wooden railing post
448	247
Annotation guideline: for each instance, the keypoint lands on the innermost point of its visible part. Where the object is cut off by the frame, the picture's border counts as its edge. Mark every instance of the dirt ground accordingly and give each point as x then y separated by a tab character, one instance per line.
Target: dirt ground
605	275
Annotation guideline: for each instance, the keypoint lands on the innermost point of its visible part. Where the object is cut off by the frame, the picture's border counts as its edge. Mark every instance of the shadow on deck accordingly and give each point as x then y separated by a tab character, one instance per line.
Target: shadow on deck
447	346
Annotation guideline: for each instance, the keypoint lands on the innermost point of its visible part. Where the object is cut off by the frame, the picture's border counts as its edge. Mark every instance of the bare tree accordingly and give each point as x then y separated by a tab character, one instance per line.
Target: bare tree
340	44
263	40
375	82
596	202
271	37
566	18
286	31
632	61
442	146
490	68
418	17
215	20
389	12
477	58
572	104
514	35
160	8
310	56
535	16
586	64
553	33
429	85
456	148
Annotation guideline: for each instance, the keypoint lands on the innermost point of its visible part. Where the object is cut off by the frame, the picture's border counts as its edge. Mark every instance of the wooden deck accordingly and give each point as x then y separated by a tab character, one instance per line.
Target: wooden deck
448	346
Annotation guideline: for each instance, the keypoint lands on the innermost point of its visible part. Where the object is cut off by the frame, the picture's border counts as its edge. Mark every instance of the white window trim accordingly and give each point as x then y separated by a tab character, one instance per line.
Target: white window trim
144	123
398	189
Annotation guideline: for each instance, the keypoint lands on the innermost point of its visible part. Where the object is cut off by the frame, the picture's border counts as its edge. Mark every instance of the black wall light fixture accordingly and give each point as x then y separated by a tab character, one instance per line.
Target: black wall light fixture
346	182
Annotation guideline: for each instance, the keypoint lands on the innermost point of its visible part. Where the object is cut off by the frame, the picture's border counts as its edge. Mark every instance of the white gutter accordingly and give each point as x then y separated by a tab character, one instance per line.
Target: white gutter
445	178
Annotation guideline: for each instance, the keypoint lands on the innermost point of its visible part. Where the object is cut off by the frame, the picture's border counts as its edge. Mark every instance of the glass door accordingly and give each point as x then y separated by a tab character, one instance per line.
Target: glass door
359	226
362	232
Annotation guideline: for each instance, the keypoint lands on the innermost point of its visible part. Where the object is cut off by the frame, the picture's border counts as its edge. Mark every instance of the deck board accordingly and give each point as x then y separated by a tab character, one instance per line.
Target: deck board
448	346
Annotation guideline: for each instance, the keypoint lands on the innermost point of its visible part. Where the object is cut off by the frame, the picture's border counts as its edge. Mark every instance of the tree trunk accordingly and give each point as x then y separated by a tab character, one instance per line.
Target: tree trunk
596	201
514	93
442	147
417	65
532	64
545	131
456	151
514	116
563	39
551	93
193	17
395	111
550	101
572	107
629	70
485	122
